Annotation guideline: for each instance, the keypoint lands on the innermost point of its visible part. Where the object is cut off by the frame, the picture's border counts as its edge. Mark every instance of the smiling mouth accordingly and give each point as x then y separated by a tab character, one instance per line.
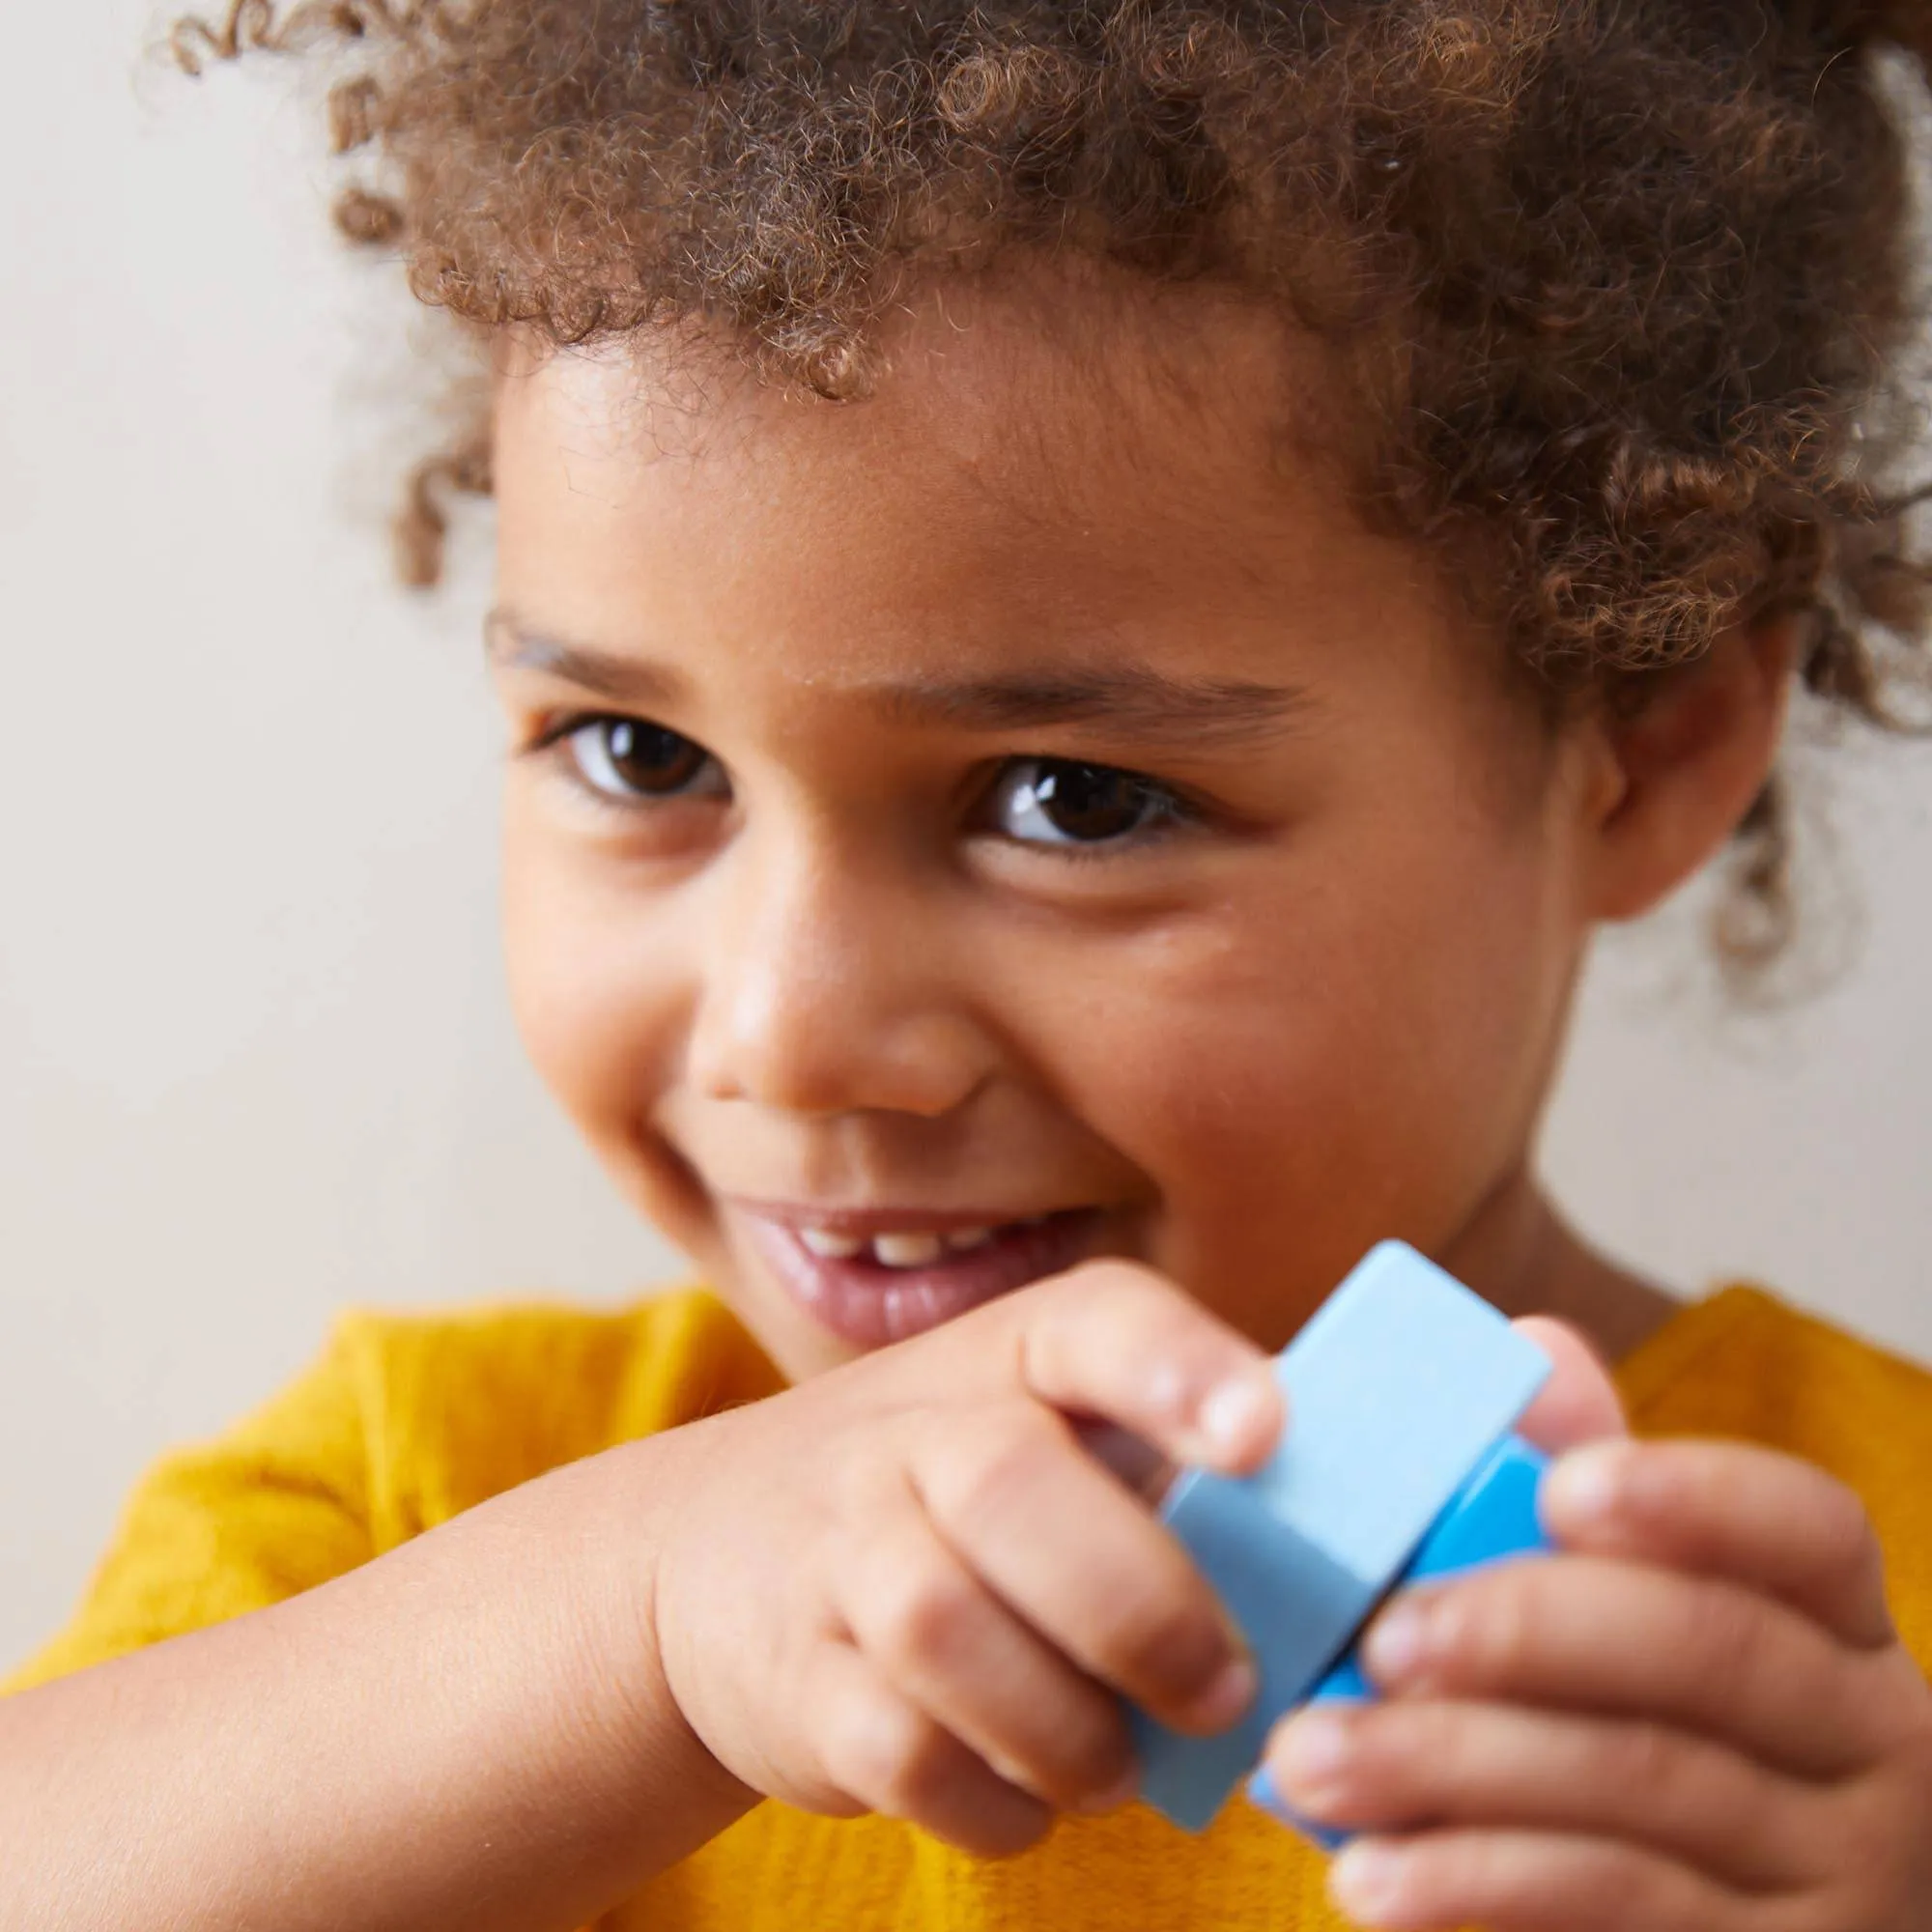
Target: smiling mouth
874	1278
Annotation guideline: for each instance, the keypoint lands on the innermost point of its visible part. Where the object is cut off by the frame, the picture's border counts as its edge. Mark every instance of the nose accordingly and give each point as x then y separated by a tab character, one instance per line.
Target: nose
823	987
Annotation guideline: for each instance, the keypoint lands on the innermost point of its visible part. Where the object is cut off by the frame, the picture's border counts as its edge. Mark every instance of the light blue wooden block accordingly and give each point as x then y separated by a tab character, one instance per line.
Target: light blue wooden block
1398	1386
1492	1518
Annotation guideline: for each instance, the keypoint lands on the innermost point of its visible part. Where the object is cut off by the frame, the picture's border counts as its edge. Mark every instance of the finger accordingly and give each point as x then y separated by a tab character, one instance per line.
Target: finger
1620	1638
1579	1402
1728	1509
946	1641
1431	1762
1085	1564
1530	1882
1139	1464
1121	1342
883	1753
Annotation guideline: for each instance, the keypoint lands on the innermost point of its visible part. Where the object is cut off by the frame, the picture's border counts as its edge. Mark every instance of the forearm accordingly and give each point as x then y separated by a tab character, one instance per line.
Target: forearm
471	1732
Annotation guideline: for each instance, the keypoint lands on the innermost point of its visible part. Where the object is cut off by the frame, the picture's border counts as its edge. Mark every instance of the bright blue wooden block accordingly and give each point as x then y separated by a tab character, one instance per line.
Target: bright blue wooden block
1398	1386
1494	1515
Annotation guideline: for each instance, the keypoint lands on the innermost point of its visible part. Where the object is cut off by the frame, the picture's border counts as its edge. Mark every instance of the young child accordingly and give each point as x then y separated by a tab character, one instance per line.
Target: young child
1096	603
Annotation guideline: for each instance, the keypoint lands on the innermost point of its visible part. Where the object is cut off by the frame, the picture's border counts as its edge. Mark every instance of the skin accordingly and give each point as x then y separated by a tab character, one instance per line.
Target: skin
837	970
1699	1716
830	978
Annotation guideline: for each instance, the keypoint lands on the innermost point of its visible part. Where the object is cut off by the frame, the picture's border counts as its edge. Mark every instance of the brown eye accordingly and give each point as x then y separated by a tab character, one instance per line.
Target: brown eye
1061	801
631	757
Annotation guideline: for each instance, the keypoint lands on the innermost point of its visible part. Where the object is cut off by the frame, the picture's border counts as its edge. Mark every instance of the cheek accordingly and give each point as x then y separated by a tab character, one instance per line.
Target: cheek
596	989
1330	1063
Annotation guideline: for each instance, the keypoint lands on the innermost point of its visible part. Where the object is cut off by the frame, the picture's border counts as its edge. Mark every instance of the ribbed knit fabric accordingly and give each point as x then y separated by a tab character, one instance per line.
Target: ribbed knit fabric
408	1419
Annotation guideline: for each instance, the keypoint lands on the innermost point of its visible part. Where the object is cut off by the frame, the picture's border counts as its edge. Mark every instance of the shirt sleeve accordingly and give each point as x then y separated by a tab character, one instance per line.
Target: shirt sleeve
275	1506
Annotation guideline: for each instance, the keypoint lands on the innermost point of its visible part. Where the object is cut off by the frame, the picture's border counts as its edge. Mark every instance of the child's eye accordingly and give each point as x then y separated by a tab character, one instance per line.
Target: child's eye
1061	802
632	758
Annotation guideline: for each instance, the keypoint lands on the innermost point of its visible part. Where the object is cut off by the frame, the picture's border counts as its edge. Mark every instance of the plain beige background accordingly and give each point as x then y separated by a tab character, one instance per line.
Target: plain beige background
255	1061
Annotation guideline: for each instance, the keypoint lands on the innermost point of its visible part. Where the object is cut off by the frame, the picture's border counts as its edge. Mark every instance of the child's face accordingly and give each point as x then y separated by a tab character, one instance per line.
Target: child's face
1072	811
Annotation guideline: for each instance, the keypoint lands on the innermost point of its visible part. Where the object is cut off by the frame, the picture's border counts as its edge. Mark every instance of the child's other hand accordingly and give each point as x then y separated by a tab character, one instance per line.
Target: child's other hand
906	1587
1697	1718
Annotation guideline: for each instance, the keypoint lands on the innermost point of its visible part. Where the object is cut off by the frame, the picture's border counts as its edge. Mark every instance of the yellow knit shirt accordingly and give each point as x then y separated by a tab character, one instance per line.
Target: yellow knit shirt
407	1420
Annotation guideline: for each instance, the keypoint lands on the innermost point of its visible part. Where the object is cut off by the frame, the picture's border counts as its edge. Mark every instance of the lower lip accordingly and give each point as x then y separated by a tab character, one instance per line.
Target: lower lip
864	1301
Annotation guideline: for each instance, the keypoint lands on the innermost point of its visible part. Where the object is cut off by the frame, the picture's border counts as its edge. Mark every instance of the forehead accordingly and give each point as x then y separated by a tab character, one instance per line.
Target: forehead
1035	459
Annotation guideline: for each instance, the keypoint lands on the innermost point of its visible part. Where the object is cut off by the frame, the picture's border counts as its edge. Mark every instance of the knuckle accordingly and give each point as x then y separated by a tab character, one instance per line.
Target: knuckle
1403	1752
1732	1808
1843	1546
1721	1646
923	1616
1003	1464
1119	1294
888	1754
1488	1627
1052	1311
1845	1537
921	1772
1087	1756
1167	1638
1639	1758
1059	1315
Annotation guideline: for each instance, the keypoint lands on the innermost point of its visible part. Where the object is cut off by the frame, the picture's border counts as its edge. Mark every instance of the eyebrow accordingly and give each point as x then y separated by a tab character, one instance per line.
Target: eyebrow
1133	699
1136	700
624	680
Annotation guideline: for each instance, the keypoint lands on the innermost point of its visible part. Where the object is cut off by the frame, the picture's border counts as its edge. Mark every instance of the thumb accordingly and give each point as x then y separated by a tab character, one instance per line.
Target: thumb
1579	1402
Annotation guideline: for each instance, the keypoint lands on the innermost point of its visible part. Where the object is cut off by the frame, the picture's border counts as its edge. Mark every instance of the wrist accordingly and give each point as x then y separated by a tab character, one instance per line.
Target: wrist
651	1778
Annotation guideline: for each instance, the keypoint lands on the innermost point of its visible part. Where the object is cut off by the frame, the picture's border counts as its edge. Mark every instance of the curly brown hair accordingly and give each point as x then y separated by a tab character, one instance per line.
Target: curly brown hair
1627	286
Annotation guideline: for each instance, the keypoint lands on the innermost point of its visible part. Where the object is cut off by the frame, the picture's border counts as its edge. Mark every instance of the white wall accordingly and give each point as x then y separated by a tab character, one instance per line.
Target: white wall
254	1055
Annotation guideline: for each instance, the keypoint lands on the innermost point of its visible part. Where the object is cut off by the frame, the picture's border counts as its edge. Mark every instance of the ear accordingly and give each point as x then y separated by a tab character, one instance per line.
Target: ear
1672	782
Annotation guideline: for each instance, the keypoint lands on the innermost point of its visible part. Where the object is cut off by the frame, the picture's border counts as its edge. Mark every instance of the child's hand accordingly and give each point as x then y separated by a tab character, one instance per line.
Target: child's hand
1698	1719
906	1587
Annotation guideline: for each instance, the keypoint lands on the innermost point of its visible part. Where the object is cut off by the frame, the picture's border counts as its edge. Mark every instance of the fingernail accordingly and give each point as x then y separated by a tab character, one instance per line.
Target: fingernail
1311	1750
1261	1791
1235	1415
1230	1693
1397	1642
1586	1484
1366	1878
1122	1791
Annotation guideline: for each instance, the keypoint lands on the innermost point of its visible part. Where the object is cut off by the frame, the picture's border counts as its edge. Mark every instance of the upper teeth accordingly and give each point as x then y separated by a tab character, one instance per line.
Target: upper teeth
912	1247
908	1250
836	1247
